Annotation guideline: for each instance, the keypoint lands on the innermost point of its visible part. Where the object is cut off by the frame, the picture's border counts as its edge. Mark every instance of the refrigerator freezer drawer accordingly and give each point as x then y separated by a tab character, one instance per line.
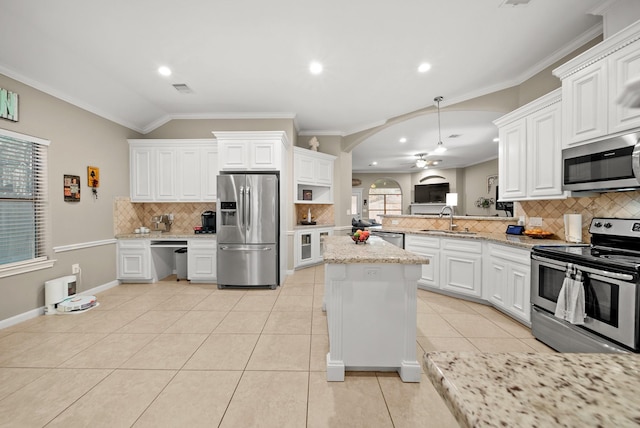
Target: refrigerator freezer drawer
247	265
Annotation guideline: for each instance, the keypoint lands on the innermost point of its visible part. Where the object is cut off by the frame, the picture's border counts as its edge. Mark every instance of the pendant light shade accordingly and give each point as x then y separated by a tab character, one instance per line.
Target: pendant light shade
421	163
440	148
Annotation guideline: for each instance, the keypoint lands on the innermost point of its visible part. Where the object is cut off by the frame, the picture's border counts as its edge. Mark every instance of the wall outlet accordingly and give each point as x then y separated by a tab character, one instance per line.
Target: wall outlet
75	268
535	221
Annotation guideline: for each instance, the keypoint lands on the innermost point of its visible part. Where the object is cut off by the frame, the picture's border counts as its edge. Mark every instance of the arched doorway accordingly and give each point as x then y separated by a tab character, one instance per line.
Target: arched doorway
385	197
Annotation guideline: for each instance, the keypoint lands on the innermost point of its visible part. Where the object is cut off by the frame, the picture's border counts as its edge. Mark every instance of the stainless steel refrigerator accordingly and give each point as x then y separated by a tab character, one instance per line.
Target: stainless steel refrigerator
248	230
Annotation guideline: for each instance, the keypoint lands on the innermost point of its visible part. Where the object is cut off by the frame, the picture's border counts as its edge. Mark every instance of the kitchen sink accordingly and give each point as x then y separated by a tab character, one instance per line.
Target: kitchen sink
449	232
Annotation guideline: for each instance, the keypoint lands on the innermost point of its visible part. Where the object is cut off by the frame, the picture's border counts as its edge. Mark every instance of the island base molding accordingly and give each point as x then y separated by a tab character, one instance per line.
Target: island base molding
371	315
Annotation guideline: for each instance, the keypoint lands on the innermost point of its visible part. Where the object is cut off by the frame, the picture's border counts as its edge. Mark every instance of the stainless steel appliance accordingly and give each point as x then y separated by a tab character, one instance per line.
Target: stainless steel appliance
394	238
610	267
162	223
248	230
613	163
208	223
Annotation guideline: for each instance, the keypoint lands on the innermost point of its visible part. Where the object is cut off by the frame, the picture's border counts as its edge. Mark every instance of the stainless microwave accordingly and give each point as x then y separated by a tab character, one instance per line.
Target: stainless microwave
611	164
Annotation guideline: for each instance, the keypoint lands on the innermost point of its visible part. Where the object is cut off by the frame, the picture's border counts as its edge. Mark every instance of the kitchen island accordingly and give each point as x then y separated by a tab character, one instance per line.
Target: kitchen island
543	390
370	300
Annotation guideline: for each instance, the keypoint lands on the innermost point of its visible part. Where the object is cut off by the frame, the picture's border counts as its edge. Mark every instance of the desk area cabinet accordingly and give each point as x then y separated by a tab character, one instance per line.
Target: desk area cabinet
308	245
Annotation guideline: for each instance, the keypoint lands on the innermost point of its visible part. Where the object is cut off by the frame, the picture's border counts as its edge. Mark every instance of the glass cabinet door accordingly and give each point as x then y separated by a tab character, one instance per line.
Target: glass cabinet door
305	247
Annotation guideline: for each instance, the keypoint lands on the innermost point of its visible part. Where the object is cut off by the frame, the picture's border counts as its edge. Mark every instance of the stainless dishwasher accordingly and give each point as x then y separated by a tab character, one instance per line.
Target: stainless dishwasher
394	238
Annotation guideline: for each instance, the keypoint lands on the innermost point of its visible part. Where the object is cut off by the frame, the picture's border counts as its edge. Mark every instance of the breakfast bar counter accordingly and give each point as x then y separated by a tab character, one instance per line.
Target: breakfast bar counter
370	299
538	390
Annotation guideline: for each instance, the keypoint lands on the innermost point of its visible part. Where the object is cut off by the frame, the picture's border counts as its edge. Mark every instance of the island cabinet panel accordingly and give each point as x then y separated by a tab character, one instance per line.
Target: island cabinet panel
134	260
428	247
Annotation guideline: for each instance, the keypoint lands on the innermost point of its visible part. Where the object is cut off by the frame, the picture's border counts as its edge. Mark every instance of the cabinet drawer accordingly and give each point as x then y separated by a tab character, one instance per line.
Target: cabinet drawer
202	243
133	243
421	241
464	245
510	253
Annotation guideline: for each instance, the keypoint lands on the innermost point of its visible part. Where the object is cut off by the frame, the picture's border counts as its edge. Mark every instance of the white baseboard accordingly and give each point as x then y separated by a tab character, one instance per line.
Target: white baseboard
34	313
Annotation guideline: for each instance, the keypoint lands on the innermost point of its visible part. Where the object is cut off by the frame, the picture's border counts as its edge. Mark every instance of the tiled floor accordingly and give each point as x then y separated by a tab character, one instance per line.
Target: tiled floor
184	355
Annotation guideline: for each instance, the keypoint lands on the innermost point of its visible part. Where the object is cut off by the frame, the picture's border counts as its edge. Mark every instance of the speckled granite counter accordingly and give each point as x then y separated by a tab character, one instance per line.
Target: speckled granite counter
534	390
164	235
342	250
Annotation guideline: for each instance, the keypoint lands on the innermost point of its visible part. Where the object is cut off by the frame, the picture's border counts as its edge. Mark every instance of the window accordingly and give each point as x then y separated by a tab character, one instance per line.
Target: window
23	203
385	197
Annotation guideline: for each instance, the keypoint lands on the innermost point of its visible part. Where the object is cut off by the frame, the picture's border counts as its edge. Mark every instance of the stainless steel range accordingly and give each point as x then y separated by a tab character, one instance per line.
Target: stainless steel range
609	269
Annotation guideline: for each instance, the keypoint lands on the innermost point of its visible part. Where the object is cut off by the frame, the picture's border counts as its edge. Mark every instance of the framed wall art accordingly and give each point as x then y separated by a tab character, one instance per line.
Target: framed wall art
71	188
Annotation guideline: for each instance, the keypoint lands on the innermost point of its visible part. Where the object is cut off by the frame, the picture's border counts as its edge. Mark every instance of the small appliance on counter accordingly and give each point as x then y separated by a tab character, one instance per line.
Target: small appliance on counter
208	223
162	223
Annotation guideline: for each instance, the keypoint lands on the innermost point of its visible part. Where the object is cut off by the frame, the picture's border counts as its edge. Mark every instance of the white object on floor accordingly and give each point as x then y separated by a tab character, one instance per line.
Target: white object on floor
570	306
57	290
77	304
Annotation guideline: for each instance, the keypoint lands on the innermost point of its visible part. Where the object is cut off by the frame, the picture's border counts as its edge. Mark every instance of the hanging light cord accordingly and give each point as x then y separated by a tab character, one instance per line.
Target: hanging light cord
438	99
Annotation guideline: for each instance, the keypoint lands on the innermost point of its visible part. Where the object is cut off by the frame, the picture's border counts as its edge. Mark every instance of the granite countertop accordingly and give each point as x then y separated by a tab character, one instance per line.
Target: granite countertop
522	241
166	235
343	250
538	390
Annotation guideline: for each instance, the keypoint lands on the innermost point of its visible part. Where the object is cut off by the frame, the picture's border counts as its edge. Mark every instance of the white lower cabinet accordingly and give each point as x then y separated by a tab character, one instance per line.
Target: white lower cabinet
428	247
461	266
308	246
134	260
201	260
507	279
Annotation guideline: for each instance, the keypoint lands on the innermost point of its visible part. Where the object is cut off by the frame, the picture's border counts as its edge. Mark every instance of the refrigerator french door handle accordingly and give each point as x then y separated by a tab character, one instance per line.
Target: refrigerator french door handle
248	208
241	203
224	248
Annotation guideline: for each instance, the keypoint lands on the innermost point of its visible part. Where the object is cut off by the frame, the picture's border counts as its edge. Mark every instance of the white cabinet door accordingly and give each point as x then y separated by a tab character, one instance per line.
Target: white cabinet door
512	165
519	281
189	174
496	281
166	167
429	247
585	100
234	155
461	267
508	277
133	260
304	169
250	155
201	260
623	66
142	177
305	241
324	172
209	174
544	149
263	155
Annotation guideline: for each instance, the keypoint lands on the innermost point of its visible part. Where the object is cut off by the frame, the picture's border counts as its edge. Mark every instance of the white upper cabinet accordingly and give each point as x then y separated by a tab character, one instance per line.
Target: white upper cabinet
530	151
173	170
591	85
251	151
313	176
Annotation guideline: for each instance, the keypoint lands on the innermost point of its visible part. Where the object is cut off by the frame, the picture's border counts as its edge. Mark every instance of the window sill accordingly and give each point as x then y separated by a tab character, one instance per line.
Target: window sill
18	269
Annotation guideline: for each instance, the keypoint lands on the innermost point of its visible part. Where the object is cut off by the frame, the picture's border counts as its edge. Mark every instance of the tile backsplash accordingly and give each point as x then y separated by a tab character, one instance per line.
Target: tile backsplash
128	216
320	213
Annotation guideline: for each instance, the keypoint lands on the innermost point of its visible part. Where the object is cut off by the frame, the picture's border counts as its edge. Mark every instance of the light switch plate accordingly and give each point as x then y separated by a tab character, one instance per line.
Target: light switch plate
535	221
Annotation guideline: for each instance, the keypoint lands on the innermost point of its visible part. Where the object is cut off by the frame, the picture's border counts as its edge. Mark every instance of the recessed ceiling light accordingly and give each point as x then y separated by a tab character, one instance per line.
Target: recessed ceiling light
164	70
315	67
495	140
374	163
403	140
424	67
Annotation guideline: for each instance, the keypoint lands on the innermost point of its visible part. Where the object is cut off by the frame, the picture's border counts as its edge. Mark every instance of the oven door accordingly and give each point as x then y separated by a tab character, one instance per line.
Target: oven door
611	300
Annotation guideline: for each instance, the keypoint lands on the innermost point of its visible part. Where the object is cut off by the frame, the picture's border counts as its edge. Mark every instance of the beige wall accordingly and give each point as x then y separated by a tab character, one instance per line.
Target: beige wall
78	139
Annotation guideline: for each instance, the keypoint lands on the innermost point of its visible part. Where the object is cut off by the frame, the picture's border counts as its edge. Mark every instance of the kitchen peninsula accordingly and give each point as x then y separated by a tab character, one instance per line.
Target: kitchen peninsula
370	300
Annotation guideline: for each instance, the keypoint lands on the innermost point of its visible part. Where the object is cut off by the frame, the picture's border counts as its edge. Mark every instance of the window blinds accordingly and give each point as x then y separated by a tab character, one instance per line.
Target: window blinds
23	198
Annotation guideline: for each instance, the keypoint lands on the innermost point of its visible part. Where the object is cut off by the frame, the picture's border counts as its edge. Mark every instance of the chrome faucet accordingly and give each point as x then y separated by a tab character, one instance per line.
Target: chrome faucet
451	225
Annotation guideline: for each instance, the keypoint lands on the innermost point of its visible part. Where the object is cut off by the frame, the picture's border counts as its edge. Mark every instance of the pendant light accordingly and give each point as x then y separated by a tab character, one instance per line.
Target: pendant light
440	148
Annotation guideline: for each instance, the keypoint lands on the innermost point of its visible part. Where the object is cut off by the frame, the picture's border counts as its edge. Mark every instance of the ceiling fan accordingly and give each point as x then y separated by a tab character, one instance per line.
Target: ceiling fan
421	162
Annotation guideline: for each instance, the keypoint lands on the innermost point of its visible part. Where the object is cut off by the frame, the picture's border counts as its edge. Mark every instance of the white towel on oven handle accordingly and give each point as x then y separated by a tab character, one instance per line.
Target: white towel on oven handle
571	306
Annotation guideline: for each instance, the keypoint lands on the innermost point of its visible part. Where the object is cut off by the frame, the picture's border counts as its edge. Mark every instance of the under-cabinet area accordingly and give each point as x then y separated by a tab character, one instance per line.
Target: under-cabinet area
152	259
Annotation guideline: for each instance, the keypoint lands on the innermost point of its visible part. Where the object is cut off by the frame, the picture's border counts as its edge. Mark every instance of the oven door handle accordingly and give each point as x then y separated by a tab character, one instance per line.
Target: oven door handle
613	275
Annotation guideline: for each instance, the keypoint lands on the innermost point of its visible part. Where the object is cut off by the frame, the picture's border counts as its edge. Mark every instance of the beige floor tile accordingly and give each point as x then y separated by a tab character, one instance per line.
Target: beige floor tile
415	404
424	307
54	352
293	303
110	302
219	301
117	401
185	302
494	344
146	302
319	323
430	344
192	399
152	322
18	342
356	402
449	305
12	379
514	328
318	288
195	288
319	351
41	400
538	346
197	322
433	325
166	351
302	289
223	352
281	352
108	322
250	302
288	323
300	278
268	399
242	322
470	325
317	303
110	352
131	289
60	323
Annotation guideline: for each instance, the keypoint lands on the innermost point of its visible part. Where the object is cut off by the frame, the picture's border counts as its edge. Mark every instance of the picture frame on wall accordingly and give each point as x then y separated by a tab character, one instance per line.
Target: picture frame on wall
71	188
307	195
